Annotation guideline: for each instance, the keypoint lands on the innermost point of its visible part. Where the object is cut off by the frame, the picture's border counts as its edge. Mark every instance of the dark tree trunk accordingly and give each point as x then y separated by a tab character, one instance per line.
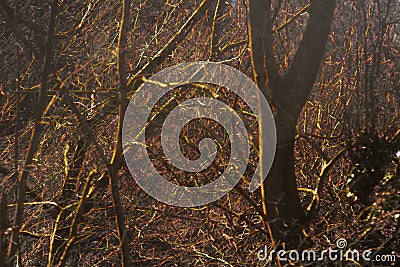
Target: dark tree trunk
288	95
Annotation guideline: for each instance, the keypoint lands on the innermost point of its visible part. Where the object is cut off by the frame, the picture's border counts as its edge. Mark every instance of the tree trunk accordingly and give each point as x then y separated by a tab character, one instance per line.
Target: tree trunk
288	95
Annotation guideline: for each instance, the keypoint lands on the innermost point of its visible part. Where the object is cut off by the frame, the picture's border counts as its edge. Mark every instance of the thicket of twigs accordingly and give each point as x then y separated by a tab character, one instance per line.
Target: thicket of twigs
68	198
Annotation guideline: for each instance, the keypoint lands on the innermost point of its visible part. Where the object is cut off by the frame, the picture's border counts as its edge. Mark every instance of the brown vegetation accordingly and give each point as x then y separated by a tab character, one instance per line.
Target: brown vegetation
330	70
